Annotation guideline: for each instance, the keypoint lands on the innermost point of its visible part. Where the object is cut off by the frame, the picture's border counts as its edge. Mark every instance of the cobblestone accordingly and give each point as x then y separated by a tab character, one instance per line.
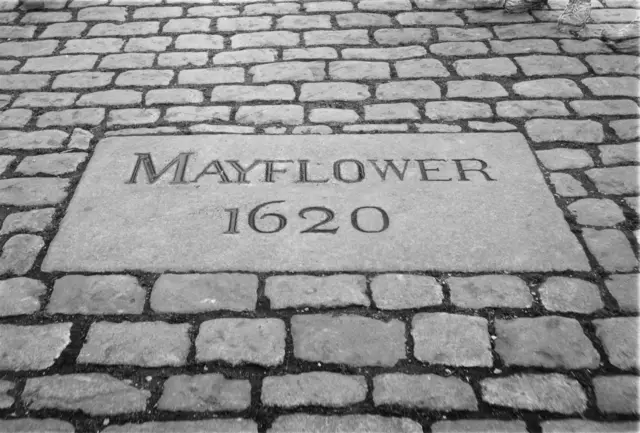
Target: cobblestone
93	393
71	117
586	426
348	339
309	53
612	86
33	191
420	68
550	392
403	110
97	294
596	212
626	129
154	43
20	296
127	61
33	425
570	295
267	114
237	341
564	159
271	92
60	63
427	391
551	341
288	71
462	49
495	67
102	14
80	139
304	290
528	109
333	115
278	38
399	291
46	139
45	99
614	64
611	249
195	114
214	425
182	59
265	55
15	118
199	42
335	91
211	76
626	291
360	19
145	77
133	116
464	426
455	110
95	45
83	80
548	87
32	347
489	291
126	29
611	107
612	154
55	164
584	131
204	393
463	34
6	400
402	36
28	48
619	336
148	344
615	180
111	97
475	89
524	46
460	340
617	394
19	254
345	423
314	388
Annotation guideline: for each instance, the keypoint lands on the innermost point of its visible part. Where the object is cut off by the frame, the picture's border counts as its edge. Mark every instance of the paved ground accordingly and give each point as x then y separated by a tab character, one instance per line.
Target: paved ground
420	351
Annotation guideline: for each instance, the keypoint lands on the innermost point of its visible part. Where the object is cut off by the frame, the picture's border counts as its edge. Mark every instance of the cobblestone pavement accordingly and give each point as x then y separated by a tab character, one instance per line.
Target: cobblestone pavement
340	352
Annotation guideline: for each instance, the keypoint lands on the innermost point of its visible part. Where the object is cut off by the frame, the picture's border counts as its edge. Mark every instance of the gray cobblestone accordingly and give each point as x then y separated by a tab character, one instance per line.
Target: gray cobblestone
566	185
580	47
304	290
266	114
15	118
203	292
299	22
46	139
404	110
596	212
612	107
60	63
495	17
626	291
80	139
214	11
272	92
570	295
398	291
564	159
619	336
376	128
45	99
153	43
309	53
491	126
586	426
204	393
328	6
615	180
55	164
614	64
125	29
479	425
626	129
457	34
31	221
476	89
455	110
272	9
101	13
83	80
93	393
147	344
429	18
336	37
63	30
402	36
133	116
312	129
35	191
611	249
280	38
183	59
528	31
384	5
346	423
8	65
550	392
211	76
28	48
360	19
524	46
33	425
19	296
617	394
127	61
548	87
111	97
32	347
462	49
414	89
199	42
157	12
178	96
78	116
238	425
19	254
245	56
244	24
6	401
489	291
144	77
427	391
334	92
97	294
288	71
528	109
348	339
238	341
612	154
314	388
383	53
613	86
17	32
333	115
582	131
496	67
551	342
420	68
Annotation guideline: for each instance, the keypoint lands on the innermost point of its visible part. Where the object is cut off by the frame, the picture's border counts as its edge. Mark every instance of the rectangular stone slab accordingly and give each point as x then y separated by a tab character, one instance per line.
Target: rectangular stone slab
501	218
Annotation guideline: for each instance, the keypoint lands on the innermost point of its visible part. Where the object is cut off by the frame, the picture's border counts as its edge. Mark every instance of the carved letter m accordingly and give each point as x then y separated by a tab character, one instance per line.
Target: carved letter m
145	160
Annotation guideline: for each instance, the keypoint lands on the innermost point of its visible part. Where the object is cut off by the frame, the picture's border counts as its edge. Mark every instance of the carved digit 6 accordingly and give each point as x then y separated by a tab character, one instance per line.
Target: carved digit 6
282	221
328	213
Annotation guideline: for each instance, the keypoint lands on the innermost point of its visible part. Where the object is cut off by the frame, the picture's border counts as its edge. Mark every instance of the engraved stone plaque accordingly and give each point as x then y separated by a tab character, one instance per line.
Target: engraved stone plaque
385	202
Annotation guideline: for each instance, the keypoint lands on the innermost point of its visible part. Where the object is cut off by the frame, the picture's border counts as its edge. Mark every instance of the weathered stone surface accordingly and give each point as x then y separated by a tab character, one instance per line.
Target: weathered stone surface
33	425
564	159
427	391
297	423
409	89
455	110
47	139
348	339
611	249
462	49
617	394
402	36
314	388
524	46
528	109
210	425
551	65
269	114
196	114
32	347
615	180
238	341
305	290
6	400
55	164
611	154
97	294
288	71
596	212
586	426
20	296
82	80
626	290
570	295
548	87
459	340
93	393
148	344
15	118
489	291
404	110
330	115
479	425
550	392
384	53
610	107
551	341
30	221
612	86
475	89
496	67
614	64
133	116
584	131
419	68
71	117
398	291
80	139
619	336
204	392
626	129
45	99
19	254
491	126
334	91
32	191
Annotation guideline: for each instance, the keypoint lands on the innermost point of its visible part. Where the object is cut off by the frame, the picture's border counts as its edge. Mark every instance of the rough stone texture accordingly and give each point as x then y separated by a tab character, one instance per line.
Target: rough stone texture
611	249
612	107
409	89
305	290
479	425
552	342
550	65
626	129
358	70
210	425
82	80
15	118
20	296
611	154
548	87
179	96
615	180
348	339
298	423
566	185
147	344
617	394
19	254
197	114
333	92
619	336
456	110
93	393
398	291
45	99
97	294
451	339
475	89
462	49
239	341
32	191
528	109
6	400
419	68
55	164
268	114
180	293
612	86
564	159
427	391
314	388
32	425
489	291
550	392
383	112
495	67
133	116
29	221
626	291
570	295
72	117
288	71
596	212
47	139
80	139
32	347
586	426
402	36
333	115
204	392
582	131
